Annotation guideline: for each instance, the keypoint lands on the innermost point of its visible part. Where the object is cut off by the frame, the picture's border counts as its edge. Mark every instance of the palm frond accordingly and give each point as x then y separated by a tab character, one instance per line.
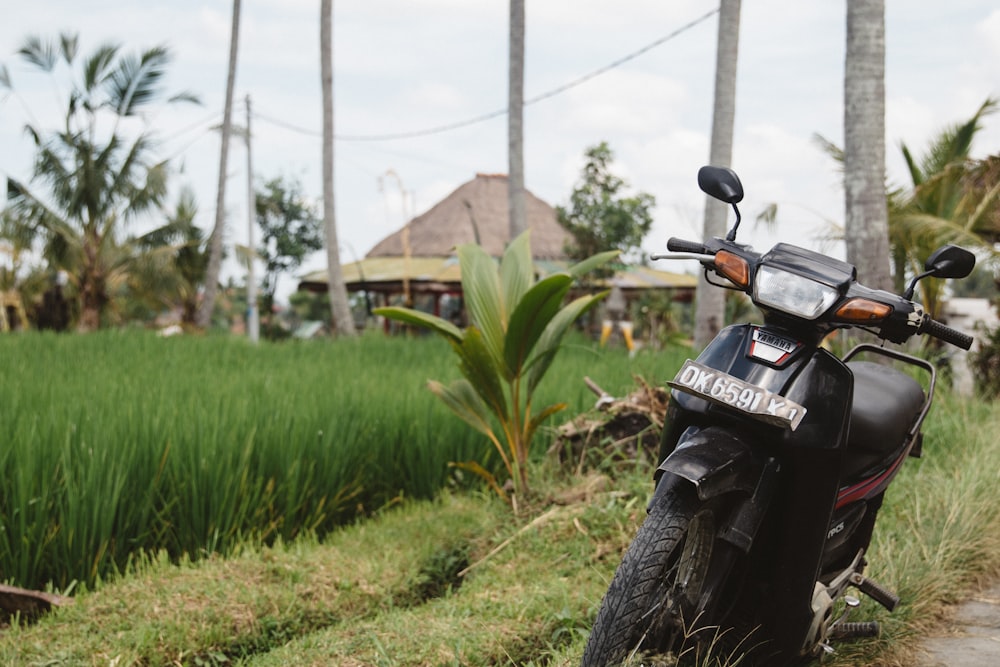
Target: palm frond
185	96
69	43
39	52
136	80
95	68
831	149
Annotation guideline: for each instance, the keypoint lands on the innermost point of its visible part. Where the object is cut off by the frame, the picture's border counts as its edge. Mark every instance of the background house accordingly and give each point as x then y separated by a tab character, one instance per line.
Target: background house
417	266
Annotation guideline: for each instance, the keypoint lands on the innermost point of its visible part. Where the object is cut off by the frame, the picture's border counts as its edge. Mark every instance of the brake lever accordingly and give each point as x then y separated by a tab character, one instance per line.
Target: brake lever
684	255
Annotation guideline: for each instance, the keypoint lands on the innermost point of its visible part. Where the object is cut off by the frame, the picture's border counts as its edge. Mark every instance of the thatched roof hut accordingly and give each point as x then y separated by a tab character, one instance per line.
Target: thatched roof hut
477	212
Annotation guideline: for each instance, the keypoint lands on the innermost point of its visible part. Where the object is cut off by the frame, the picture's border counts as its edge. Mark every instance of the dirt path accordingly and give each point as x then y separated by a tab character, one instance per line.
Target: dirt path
971	638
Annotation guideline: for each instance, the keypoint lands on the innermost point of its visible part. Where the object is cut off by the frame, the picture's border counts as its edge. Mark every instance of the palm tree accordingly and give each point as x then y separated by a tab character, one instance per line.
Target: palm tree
952	199
215	242
340	310
866	213
515	121
88	182
710	304
176	260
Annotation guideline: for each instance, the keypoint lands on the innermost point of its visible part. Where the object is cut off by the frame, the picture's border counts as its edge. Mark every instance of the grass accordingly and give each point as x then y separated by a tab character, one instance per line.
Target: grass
531	586
455	579
350	599
122	443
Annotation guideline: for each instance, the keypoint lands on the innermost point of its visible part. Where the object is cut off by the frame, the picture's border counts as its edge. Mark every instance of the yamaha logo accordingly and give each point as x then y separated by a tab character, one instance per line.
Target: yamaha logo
772	348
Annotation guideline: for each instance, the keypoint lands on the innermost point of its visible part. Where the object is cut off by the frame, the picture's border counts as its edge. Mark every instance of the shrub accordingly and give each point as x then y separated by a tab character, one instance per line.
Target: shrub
517	325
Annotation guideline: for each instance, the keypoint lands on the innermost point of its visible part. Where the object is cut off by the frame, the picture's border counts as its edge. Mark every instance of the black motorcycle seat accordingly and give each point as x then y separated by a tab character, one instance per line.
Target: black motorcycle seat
886	405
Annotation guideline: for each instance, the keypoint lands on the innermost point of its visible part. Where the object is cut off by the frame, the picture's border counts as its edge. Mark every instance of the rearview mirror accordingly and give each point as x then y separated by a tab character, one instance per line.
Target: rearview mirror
950	261
721	183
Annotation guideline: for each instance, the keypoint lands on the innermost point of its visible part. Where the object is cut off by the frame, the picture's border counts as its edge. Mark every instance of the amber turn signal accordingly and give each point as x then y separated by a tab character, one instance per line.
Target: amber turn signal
733	267
863	311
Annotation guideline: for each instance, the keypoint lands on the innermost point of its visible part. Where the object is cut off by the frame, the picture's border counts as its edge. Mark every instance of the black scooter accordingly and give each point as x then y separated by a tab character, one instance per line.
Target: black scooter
776	455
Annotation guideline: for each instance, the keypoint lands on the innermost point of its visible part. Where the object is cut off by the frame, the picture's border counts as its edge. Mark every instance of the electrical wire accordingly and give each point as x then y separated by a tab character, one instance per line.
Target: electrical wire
439	129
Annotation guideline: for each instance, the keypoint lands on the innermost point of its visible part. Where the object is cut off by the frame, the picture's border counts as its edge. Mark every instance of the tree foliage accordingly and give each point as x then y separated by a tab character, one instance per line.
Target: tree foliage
952	199
91	178
290	230
182	244
600	215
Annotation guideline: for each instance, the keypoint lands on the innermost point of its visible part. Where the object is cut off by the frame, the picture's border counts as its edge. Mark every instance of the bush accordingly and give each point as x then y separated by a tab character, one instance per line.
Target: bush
985	362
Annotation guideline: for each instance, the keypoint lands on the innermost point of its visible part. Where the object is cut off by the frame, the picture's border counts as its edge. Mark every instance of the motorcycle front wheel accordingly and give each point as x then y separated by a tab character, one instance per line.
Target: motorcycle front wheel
667	594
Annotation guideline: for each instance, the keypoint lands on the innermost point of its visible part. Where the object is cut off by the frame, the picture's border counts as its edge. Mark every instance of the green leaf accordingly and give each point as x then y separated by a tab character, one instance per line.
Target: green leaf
482	371
592	263
421	319
536	421
550	339
477	469
517	273
481	289
534	312
462	399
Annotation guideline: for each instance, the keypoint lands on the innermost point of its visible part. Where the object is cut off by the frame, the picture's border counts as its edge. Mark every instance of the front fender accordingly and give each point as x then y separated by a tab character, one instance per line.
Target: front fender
715	460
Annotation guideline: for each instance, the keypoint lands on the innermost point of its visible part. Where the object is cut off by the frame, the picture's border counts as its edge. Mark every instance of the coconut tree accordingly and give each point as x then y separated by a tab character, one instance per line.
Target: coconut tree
175	260
866	221
91	178
218	231
710	305
515	120
952	199
340	309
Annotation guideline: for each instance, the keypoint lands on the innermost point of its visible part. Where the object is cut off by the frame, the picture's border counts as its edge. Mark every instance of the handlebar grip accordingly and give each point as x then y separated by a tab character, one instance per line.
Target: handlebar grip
680	245
947	334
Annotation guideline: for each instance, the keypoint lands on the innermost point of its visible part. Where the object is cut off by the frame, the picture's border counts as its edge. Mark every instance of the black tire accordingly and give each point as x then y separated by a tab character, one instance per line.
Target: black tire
667	592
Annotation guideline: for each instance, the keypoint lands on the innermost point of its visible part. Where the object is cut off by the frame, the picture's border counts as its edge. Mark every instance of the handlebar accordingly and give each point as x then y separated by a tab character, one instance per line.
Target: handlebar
897	327
932	327
680	245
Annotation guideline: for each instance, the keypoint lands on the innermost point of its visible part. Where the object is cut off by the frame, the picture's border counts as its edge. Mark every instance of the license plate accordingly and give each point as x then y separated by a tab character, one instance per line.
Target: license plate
724	389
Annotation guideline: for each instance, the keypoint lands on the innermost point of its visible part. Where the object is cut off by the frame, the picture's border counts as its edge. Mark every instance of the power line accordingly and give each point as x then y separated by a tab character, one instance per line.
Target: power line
439	129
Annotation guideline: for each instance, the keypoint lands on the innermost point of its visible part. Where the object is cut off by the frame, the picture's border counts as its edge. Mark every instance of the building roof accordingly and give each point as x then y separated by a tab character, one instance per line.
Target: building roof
442	274
476	212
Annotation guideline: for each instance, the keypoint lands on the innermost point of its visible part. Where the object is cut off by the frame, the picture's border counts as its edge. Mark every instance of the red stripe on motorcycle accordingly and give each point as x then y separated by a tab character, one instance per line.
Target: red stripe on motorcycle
869	486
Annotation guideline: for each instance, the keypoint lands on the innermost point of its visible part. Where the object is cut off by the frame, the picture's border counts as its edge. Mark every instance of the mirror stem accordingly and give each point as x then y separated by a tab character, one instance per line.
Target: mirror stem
731	236
908	295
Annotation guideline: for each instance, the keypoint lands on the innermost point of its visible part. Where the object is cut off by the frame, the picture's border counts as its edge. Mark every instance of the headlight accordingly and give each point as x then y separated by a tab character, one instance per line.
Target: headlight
791	293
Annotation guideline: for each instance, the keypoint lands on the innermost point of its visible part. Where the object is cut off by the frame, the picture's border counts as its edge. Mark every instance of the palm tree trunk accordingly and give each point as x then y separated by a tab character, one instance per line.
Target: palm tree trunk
340	310
710	307
215	242
866	212
515	121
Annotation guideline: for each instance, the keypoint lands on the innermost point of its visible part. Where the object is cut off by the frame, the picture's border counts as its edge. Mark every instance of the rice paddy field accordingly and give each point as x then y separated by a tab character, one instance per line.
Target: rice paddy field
121	444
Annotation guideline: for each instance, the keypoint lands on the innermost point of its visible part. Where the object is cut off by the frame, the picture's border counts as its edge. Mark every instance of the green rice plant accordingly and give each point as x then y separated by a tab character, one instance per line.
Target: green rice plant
119	444
517	326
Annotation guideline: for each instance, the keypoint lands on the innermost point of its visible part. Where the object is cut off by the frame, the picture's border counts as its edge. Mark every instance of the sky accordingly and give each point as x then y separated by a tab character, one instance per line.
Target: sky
411	67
